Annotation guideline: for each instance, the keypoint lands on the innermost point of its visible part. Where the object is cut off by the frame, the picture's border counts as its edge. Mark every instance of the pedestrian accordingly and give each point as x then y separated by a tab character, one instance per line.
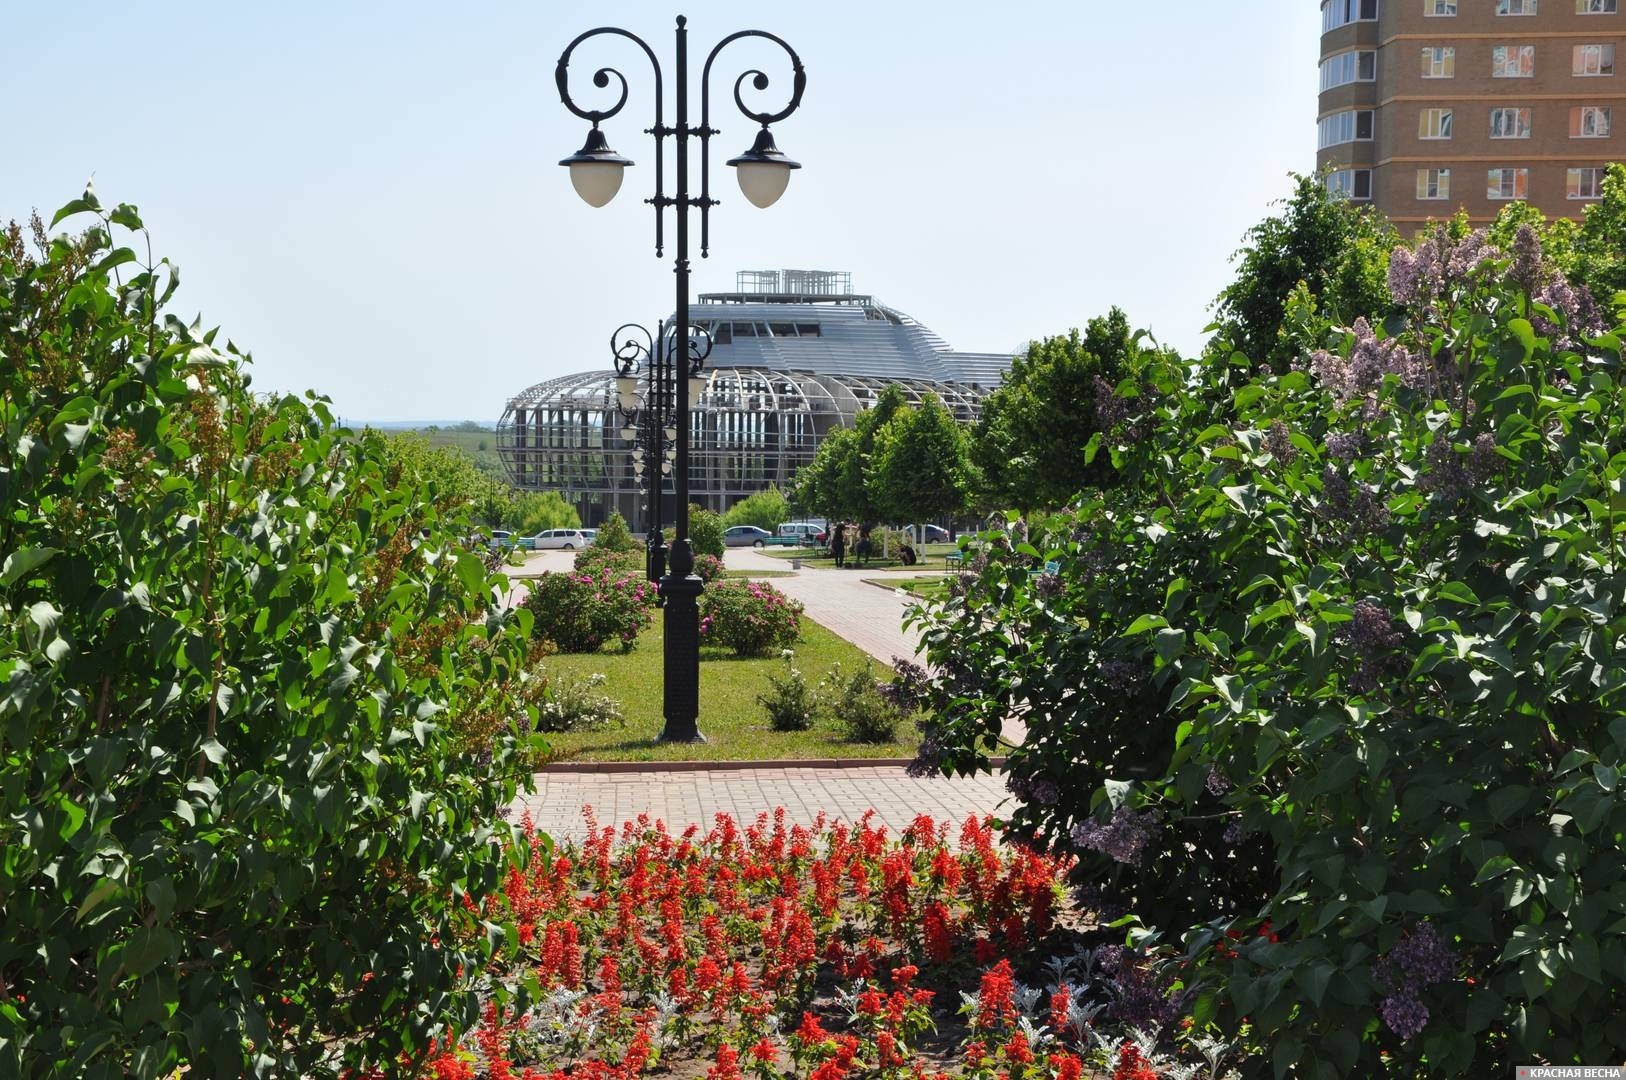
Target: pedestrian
863	549
838	544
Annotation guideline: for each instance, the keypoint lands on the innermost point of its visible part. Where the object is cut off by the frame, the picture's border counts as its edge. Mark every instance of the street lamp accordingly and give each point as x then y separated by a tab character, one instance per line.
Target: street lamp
763	172
650	423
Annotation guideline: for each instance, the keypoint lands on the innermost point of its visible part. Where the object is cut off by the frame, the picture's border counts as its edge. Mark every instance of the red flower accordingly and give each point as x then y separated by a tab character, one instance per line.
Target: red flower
1131	1065
765	1051
727	1067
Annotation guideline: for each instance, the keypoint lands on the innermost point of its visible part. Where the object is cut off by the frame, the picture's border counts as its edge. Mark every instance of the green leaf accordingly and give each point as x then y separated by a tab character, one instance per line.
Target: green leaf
1145	623
1457	591
24	561
103	890
1606	775
1170	644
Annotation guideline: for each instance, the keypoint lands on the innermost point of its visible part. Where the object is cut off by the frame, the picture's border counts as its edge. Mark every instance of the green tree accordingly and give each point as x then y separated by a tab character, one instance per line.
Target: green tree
1600	246
259	713
817	486
922	467
764	509
705	531
533	511
1338	248
852	484
1028	445
453	477
614	535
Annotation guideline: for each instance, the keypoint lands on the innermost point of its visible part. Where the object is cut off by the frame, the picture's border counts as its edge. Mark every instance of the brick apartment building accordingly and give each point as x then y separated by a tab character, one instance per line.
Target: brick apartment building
1428	106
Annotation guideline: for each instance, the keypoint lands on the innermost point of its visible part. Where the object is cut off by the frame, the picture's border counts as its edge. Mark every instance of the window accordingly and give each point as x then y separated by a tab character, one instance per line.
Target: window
1593	60
1343	127
807	329
1433	183
1513	61
1335	13
1585	183
1350	183
1515	7
1439	62
1440	7
1590	122
1507	184
1348	67
1510	123
1434	124
1596	7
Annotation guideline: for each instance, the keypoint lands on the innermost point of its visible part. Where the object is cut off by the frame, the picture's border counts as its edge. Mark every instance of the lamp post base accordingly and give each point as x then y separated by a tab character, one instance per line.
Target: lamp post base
680	590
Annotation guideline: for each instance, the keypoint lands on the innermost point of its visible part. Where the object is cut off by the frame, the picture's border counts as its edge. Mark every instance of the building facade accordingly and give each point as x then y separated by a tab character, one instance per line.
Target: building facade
795	354
1431	106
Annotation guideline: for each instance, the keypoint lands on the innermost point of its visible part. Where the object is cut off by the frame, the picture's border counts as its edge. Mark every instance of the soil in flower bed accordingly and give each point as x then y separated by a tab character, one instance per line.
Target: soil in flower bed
825	953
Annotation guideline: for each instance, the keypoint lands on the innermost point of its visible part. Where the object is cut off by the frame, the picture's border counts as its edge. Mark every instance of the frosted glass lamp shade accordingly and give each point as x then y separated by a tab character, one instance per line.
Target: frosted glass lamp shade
596	170
763	171
626	393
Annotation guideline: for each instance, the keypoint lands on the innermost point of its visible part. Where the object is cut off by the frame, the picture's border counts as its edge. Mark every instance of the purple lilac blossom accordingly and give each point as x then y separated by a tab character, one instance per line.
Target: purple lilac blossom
1420	959
1123	838
1279	442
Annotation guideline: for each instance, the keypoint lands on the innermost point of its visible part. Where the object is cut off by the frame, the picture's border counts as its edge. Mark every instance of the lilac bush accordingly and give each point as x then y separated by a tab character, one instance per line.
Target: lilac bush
1343	652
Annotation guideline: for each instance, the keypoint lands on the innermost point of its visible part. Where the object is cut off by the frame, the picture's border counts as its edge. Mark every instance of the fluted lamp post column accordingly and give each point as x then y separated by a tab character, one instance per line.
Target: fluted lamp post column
763	171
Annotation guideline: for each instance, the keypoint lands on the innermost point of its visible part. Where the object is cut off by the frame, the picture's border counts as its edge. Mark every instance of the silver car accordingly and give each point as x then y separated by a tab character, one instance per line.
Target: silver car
566	539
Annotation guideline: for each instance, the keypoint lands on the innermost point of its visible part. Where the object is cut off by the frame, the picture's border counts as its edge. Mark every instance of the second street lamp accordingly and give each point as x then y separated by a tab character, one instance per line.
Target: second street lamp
596	172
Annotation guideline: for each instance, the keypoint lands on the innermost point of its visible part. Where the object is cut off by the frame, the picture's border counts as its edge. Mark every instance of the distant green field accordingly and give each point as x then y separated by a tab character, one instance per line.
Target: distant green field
481	445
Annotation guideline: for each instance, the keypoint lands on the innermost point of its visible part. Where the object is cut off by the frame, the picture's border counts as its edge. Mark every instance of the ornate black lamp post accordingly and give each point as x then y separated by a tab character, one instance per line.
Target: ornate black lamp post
651	423
763	172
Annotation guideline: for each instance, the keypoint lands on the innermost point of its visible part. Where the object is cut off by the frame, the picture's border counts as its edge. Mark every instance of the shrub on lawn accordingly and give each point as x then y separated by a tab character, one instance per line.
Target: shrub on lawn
864	709
574	704
751	617
584	612
790	702
595	561
708	568
1349	660
259	718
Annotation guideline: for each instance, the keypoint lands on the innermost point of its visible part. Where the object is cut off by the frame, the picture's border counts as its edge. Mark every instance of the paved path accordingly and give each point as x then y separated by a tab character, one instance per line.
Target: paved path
693	797
843	602
866	615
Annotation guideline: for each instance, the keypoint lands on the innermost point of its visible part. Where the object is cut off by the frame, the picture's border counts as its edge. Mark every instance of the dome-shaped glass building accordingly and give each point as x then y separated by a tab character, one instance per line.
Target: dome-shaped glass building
795	354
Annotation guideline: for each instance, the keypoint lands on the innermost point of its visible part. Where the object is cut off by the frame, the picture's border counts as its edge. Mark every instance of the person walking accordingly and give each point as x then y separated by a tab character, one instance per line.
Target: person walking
838	544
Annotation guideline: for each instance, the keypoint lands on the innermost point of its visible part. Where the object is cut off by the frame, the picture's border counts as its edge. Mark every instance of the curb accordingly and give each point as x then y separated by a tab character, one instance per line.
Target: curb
725	766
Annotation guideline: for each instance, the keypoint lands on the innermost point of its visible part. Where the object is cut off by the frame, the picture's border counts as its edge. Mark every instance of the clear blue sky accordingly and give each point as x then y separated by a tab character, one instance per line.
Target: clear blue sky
367	197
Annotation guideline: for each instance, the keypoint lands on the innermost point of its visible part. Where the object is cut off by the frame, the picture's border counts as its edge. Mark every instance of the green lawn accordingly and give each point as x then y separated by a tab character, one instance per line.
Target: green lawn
756	575
730	717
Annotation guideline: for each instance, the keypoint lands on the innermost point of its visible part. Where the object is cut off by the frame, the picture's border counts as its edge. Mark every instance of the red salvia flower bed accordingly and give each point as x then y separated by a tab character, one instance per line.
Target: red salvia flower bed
827	953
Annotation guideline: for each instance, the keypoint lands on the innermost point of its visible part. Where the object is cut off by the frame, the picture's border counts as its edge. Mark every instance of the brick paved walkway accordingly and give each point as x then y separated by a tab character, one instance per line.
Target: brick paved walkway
681	798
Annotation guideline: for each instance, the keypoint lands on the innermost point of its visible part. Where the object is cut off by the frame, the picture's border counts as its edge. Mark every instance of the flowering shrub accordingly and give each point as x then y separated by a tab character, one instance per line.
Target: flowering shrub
259	716
790	703
751	617
577	705
1347	658
833	952
708	568
596	560
582	612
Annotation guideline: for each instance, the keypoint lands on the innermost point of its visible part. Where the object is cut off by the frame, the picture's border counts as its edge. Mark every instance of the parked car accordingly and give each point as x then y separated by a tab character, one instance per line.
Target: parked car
591	534
567	539
501	538
804	532
933	534
744	536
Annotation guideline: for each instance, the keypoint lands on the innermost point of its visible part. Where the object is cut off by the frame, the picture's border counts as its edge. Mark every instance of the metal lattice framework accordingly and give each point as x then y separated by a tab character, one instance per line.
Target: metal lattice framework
752	427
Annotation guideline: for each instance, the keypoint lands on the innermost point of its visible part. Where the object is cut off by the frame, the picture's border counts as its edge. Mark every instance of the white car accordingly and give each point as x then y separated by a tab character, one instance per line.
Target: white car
567	539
